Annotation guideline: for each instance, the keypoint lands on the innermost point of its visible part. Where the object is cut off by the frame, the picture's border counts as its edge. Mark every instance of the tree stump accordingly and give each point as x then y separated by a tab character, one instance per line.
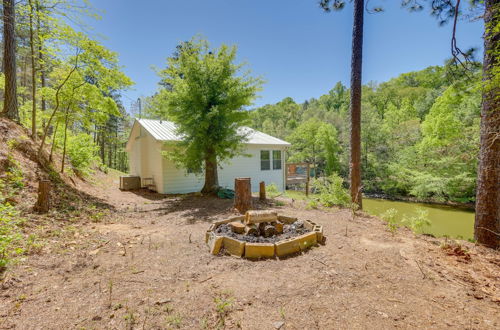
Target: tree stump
262	191
43	203
243	194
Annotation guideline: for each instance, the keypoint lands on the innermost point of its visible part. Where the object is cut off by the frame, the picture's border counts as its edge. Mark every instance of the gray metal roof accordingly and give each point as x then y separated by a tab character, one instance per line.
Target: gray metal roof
163	130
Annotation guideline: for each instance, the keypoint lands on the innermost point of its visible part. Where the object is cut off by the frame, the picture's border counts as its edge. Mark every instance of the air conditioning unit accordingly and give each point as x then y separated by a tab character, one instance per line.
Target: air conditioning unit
130	182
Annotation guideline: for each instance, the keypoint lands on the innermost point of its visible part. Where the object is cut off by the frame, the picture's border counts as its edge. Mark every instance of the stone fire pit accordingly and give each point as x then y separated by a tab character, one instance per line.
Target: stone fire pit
262	234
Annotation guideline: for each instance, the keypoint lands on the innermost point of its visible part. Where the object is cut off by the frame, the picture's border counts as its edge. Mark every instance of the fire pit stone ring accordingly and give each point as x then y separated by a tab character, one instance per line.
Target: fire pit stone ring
262	234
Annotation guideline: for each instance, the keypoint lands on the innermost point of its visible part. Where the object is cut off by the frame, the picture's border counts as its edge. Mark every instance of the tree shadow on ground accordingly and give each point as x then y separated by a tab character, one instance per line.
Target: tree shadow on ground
195	208
151	195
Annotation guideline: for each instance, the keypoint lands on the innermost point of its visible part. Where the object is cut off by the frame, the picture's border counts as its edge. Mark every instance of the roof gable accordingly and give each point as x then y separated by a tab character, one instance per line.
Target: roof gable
163	130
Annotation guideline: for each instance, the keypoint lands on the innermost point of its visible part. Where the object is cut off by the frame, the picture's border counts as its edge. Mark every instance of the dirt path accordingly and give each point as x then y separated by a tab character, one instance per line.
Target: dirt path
147	267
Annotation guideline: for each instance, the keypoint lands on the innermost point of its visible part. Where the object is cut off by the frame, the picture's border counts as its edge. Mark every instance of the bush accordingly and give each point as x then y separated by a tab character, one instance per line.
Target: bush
418	222
272	190
82	152
9	232
390	217
331	191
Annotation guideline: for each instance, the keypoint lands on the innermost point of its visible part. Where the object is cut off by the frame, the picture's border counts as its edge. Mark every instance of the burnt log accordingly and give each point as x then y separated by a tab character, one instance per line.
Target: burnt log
251	230
269	231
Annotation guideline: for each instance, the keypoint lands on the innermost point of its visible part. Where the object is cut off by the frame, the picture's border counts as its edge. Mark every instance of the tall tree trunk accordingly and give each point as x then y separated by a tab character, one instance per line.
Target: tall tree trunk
356	68
53	142
33	72
10	109
487	222
66	119
103	154
40	57
211	176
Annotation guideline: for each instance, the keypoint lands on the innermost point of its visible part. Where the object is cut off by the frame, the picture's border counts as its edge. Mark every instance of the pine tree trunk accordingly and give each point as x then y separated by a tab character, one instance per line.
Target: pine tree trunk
356	68
487	222
211	175
33	72
10	109
43	203
243	194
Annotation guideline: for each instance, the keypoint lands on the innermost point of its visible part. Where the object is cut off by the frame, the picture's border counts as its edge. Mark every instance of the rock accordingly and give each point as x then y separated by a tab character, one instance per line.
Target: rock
278	325
384	315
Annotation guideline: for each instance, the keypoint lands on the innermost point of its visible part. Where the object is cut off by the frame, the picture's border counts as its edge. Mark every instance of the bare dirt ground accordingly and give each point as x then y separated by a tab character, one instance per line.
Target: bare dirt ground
144	265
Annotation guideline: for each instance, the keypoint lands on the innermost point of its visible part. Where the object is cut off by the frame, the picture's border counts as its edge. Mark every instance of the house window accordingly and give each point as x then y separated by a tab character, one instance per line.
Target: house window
265	160
276	159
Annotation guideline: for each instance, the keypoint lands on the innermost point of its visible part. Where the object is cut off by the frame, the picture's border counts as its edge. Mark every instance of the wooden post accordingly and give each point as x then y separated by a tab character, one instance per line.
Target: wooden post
43	202
286	174
262	191
307	180
243	194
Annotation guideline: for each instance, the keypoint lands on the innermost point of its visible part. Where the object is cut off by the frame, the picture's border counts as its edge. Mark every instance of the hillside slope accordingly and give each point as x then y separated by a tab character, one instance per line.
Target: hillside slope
20	171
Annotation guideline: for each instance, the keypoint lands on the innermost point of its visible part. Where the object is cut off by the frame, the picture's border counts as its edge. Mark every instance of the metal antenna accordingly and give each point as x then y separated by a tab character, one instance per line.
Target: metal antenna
140	107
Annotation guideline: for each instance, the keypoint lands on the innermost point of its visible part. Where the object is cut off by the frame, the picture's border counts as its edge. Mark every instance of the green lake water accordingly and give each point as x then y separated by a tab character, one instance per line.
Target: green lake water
446	220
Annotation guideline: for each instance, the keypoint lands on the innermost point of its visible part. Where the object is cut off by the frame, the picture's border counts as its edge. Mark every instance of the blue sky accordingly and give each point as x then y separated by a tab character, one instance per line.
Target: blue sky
299	50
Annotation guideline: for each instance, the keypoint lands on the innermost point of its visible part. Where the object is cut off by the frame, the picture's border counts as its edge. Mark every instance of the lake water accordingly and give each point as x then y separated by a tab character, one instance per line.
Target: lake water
446	220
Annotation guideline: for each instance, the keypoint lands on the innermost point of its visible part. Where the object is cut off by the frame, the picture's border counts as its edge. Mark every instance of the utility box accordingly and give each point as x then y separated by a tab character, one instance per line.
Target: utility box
130	182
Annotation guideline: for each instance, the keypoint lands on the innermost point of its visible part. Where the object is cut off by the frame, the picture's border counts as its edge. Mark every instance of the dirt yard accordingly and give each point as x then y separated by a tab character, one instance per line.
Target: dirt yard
144	265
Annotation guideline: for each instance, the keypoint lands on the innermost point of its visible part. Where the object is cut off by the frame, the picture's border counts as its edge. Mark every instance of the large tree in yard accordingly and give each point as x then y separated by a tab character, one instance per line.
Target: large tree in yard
487	222
356	70
204	94
10	109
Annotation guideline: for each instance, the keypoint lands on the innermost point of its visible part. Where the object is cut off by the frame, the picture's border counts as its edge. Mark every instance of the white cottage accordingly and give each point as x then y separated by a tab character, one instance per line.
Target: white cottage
146	143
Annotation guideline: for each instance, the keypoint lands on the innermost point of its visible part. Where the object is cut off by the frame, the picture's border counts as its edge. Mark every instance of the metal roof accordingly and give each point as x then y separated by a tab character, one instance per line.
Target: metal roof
163	130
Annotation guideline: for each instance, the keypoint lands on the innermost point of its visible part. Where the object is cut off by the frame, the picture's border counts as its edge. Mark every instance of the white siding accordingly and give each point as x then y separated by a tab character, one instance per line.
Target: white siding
152	163
134	151
178	181
145	157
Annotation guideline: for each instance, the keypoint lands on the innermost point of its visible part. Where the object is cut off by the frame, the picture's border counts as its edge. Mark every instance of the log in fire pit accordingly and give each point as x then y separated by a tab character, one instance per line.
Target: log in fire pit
262	234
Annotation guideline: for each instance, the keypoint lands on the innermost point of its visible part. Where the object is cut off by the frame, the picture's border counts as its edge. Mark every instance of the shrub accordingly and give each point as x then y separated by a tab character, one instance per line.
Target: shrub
331	191
418	222
390	217
82	152
272	190
9	232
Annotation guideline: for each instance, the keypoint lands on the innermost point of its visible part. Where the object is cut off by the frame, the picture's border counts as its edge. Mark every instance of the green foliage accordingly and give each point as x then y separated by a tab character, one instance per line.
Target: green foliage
205	93
420	133
223	305
390	216
82	152
331	192
9	233
14	176
272	190
418	222
317	143
174	320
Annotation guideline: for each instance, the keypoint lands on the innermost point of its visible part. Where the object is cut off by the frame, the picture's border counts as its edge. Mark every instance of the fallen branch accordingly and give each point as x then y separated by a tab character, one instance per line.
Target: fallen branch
421	270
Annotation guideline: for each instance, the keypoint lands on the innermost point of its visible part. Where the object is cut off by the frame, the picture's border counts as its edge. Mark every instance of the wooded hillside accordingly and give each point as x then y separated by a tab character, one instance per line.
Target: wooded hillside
420	133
